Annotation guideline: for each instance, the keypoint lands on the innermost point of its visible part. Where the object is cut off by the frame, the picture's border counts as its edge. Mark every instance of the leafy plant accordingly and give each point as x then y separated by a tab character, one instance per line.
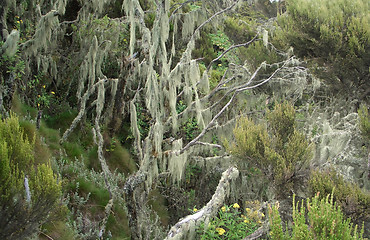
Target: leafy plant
325	220
190	128
230	224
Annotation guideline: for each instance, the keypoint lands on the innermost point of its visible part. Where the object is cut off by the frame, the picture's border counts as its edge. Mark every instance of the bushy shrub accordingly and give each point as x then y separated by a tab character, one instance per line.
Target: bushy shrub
317	219
338	34
279	150
28	192
354	201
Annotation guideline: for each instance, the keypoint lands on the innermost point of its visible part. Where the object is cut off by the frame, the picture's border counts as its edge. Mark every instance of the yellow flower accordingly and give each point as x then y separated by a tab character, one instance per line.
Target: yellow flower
220	65
220	231
223	209
18	21
246	221
52	92
236	205
38	104
43	86
262	215
194	209
248	210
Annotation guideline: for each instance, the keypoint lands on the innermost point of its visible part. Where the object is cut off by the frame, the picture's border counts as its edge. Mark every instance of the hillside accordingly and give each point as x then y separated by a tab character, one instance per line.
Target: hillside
175	119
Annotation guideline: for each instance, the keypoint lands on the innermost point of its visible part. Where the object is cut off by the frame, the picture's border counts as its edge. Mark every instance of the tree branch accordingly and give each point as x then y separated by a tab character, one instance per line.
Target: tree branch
181	229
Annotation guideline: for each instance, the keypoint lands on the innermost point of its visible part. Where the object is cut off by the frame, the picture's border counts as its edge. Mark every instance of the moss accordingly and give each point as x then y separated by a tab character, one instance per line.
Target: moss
100	196
158	204
120	159
118	224
58	229
73	150
52	137
61	120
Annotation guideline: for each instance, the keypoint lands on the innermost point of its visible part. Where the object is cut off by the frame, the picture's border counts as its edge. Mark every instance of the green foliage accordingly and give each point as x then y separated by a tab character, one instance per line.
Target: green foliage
16	165
278	150
204	48
143	119
231	223
37	91
354	201
364	121
180	107
220	39
190	128
325	220
338	34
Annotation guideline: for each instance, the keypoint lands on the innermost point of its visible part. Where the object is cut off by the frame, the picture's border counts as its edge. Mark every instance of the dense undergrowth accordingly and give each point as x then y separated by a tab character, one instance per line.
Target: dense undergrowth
80	130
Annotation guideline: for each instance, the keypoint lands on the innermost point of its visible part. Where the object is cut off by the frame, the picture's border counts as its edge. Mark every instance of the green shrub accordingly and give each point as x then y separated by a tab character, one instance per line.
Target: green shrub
364	121
338	34
317	219
22	205
354	201
278	149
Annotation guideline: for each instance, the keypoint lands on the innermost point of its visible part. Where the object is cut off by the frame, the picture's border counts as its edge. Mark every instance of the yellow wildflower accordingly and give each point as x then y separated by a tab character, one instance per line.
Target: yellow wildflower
38	104
236	205
220	65
18	21
262	215
194	209
220	231
248	210
246	221
43	86
52	92
223	209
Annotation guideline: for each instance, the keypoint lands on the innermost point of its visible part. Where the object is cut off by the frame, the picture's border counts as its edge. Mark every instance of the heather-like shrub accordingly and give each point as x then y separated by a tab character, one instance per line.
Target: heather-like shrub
314	219
28	192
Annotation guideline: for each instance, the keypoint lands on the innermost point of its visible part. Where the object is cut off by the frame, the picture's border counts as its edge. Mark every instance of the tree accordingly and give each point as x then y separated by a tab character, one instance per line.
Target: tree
28	191
154	74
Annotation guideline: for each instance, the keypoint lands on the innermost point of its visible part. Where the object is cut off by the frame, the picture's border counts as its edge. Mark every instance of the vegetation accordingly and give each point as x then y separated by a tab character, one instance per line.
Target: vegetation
29	191
118	116
364	121
337	34
278	150
231	223
353	201
325	220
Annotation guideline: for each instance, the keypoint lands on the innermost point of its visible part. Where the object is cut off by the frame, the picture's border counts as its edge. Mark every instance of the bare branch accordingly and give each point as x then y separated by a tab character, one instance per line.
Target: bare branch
181	5
231	48
180	229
